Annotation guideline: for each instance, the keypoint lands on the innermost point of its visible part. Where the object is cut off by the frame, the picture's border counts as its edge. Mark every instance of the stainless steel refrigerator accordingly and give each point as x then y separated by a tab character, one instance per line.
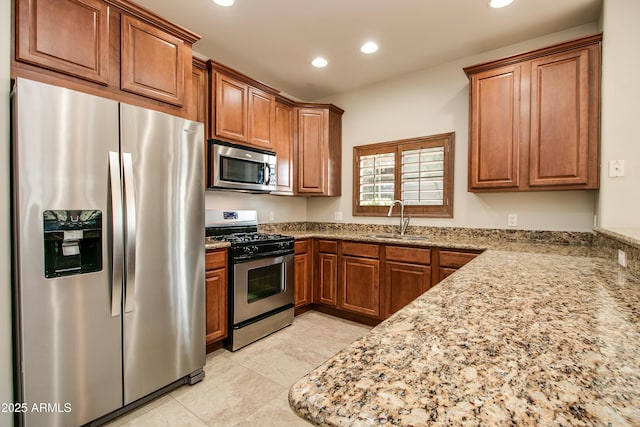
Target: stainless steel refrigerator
108	214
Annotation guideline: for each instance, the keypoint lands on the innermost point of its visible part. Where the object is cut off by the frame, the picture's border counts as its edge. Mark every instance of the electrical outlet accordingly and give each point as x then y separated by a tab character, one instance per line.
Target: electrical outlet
616	168
622	258
338	216
512	220
271	216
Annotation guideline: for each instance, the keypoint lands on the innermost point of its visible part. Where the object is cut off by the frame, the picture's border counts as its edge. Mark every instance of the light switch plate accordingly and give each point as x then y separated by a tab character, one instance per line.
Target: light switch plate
616	168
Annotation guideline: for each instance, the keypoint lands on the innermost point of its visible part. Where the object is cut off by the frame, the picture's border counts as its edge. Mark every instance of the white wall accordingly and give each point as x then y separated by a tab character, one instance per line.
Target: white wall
6	383
619	199
434	101
284	208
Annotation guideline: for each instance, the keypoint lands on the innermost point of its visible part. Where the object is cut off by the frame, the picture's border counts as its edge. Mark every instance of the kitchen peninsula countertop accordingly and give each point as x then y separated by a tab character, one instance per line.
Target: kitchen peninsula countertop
537	334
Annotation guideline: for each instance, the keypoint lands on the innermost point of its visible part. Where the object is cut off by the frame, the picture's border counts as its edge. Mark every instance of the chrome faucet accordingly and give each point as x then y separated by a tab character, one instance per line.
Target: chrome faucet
404	223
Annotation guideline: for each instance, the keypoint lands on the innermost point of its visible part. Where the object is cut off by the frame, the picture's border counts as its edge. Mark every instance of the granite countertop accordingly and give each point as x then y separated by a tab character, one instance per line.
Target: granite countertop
210	244
513	338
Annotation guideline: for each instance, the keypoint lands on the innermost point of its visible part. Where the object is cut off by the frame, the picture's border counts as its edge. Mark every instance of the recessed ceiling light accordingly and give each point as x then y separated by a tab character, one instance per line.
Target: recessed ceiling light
369	47
225	3
319	62
496	4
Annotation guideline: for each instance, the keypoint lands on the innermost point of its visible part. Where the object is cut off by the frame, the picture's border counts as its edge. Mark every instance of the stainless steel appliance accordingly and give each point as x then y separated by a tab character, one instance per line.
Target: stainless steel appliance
108	214
260	279
236	167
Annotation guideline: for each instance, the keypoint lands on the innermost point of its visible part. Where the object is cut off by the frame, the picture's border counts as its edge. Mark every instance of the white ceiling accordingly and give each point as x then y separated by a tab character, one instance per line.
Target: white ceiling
274	41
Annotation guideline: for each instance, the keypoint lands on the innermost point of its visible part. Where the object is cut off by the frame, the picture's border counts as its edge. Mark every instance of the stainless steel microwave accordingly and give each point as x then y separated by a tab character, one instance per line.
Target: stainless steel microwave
236	167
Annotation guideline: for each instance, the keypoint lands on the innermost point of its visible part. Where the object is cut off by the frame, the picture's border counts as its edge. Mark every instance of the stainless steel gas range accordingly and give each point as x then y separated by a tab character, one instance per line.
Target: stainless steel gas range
260	276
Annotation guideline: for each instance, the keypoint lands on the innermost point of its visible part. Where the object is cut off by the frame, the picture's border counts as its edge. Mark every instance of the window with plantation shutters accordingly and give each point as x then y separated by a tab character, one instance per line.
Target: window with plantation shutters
418	171
377	172
423	176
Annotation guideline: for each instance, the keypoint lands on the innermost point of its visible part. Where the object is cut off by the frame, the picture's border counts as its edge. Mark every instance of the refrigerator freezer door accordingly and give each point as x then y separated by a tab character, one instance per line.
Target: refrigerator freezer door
164	331
70	342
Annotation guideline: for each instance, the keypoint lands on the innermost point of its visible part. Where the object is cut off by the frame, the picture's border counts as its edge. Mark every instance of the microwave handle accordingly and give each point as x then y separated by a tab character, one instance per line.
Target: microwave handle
267	172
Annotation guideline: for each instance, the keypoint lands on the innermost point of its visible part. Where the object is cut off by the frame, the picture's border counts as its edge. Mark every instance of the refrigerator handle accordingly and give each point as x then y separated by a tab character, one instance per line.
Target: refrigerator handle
118	237
130	248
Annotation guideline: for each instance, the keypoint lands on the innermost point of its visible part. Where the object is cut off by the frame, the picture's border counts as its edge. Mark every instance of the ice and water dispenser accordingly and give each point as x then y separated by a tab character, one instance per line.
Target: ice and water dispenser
72	242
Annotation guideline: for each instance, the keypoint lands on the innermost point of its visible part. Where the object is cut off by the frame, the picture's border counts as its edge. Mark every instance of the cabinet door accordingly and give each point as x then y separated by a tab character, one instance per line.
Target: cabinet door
361	285
231	108
311	153
302	285
327	279
495	128
283	145
198	101
216	288
152	62
261	110
560	110
46	38
446	272
405	282
302	273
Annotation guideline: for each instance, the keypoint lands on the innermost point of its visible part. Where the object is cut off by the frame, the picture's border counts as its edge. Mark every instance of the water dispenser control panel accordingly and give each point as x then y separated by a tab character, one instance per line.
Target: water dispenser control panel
72	242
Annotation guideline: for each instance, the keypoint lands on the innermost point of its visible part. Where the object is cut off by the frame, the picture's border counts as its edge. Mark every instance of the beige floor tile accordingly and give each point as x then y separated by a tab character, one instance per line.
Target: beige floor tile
169	414
124	419
227	395
250	387
276	413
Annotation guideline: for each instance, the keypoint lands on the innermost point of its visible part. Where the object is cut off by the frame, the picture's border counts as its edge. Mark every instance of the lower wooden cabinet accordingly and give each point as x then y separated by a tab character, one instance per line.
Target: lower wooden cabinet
407	276
404	283
216	291
360	285
450	261
368	282
302	273
326	273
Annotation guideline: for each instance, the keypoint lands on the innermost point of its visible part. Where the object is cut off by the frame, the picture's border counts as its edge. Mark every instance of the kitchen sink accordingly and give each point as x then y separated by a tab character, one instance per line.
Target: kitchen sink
398	236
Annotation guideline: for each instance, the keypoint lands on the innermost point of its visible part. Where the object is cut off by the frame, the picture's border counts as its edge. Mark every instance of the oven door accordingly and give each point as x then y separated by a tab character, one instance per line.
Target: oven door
261	285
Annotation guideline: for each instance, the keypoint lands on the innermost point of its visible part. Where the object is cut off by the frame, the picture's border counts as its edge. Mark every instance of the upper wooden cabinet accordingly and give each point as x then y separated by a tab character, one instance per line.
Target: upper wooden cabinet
110	48
70	36
534	119
283	146
152	61
242	109
198	98
318	150
231	99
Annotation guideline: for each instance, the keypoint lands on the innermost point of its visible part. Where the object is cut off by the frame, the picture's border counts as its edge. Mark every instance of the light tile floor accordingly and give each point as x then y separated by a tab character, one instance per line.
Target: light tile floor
249	387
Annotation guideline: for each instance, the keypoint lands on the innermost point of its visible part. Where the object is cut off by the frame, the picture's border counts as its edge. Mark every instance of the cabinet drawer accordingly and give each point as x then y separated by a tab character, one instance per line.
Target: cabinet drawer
455	259
328	246
413	255
216	259
301	246
367	250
